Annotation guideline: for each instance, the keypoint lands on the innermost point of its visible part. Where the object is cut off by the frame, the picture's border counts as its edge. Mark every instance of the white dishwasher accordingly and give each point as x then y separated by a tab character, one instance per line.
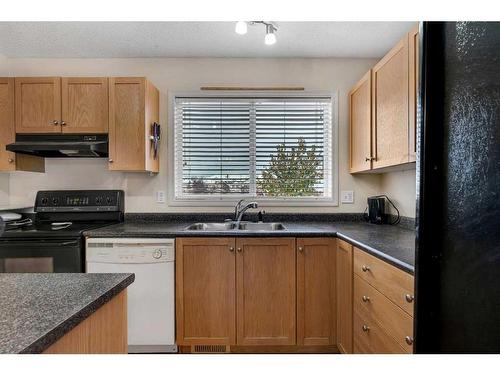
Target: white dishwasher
151	297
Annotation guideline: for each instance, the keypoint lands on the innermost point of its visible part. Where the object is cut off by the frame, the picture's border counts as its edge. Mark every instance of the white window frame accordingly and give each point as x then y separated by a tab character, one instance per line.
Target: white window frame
229	201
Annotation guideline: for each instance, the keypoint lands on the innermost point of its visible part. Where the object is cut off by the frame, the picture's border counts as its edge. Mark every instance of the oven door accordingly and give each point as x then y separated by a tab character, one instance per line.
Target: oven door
41	255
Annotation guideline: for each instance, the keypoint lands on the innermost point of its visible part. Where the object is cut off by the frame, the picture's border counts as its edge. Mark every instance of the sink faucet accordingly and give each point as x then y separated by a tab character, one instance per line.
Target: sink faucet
239	211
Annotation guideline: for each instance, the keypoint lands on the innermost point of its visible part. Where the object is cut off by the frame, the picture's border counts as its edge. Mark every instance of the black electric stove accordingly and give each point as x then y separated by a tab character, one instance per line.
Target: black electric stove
53	240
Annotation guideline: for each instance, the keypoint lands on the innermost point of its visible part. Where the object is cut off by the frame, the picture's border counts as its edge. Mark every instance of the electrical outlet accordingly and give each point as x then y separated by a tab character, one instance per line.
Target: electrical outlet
347	196
160	196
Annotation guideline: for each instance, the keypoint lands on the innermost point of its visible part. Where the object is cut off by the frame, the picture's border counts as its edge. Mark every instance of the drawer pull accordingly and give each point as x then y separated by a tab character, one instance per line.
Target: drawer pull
409	298
365	328
365	299
231	249
409	340
239	249
365	268
301	249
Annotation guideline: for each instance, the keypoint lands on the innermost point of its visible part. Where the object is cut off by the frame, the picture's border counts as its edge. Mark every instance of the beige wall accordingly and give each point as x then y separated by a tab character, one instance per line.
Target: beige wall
400	187
172	75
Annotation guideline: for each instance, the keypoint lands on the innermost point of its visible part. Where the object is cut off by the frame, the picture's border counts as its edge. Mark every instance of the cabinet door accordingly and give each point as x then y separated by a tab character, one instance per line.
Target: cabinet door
7	131
205	291
316	295
413	71
390	108
10	161
344	296
360	117
38	104
84	105
266	291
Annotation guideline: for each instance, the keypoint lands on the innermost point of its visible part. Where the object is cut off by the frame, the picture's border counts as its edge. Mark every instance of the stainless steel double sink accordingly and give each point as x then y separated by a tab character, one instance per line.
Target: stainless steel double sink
214	227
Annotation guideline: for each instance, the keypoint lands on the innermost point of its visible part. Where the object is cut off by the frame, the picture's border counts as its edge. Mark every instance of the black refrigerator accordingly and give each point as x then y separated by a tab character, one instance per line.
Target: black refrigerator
458	194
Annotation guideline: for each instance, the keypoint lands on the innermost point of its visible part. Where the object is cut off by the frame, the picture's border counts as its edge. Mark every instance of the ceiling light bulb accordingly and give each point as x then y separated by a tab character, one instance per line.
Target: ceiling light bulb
270	38
241	27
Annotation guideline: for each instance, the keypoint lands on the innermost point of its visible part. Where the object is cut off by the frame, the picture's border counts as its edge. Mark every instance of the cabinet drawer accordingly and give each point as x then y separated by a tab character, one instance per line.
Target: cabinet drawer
369	337
391	318
395	284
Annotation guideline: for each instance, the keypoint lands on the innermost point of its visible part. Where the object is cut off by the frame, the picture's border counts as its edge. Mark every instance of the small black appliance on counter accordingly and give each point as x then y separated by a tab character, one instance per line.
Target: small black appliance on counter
377	213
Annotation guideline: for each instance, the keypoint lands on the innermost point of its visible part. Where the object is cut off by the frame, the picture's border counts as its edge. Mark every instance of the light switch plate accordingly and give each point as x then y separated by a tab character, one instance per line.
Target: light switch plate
347	196
160	196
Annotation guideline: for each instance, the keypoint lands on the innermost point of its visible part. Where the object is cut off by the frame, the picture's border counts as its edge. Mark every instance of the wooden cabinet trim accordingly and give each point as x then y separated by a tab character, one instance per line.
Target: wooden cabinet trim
344	296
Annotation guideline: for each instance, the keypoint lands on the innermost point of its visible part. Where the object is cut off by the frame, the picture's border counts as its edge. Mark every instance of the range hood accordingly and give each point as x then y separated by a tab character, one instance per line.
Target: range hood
61	145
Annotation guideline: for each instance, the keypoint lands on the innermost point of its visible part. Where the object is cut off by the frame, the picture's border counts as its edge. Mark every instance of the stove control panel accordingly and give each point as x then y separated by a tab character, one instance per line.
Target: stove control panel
79	201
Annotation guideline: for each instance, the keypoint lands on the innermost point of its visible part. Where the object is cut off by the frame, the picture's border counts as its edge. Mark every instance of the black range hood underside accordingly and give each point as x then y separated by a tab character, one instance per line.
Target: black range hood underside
61	145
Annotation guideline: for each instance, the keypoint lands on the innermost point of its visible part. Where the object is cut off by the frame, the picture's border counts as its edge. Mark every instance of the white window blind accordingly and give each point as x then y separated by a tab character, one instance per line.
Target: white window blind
266	148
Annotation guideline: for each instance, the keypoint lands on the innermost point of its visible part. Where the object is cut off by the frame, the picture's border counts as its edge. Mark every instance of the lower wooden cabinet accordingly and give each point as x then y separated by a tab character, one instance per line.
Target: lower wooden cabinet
383	306
205	291
316	294
265	289
344	296
255	292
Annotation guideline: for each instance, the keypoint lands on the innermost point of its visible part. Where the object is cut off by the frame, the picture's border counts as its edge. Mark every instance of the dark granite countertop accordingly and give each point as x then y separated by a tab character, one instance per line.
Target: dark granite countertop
37	309
393	244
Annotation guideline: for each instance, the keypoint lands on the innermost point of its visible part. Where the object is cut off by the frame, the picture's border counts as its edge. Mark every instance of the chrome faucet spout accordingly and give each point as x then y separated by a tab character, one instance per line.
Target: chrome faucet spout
241	211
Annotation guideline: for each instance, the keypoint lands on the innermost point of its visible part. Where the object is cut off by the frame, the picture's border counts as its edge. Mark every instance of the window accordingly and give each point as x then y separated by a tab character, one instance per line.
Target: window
269	148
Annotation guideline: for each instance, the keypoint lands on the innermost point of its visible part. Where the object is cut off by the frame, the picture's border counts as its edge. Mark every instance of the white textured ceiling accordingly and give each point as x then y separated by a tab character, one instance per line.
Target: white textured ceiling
197	39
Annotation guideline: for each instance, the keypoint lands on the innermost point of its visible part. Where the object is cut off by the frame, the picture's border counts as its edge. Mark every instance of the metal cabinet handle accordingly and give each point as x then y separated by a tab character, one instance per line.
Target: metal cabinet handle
365	268
231	249
409	298
365	328
365	298
239	249
63	123
301	249
110	160
409	340
10	160
370	159
55	122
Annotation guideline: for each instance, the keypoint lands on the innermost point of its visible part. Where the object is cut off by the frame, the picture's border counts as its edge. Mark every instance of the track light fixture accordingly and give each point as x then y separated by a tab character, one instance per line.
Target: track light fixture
271	29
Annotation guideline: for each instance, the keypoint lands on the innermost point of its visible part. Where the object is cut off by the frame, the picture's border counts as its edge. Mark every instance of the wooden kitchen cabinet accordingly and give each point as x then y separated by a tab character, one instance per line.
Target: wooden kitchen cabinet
38	104
10	161
390	108
383	306
205	291
360	112
84	105
266	291
413	71
344	296
316	294
133	108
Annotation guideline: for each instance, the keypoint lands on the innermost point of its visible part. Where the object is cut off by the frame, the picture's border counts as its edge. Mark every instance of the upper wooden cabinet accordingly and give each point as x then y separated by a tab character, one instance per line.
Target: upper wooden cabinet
38	104
84	105
413	69
392	106
61	105
344	296
133	108
360	111
316	294
205	291
10	161
265	289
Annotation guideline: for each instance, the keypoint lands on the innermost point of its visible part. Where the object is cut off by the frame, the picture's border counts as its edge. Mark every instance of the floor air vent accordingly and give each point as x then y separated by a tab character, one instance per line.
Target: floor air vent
210	349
